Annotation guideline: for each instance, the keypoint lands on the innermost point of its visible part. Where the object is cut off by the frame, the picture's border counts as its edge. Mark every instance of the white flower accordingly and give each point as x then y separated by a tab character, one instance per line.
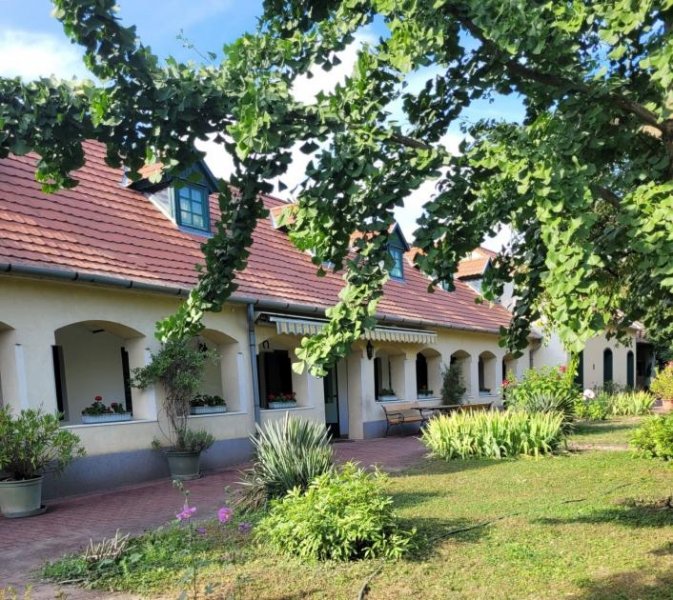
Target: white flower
588	394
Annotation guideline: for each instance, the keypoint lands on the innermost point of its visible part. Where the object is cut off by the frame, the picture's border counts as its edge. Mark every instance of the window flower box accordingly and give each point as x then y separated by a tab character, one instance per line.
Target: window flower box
387	395
107	418
204	404
207	410
97	412
426	395
288	400
283	404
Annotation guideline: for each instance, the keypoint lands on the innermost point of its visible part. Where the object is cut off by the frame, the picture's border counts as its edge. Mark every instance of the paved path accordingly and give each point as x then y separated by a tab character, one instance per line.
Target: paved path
70	523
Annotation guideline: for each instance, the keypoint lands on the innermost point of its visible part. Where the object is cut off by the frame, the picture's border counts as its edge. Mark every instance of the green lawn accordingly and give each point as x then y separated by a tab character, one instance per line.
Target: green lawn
615	431
579	525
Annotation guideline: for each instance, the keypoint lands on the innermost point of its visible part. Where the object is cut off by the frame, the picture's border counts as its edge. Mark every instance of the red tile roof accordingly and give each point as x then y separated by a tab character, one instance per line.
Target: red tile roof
104	228
471	267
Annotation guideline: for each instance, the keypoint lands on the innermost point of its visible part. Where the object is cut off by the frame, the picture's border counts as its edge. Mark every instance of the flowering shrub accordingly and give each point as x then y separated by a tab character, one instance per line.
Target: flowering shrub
97	407
591	407
662	384
343	515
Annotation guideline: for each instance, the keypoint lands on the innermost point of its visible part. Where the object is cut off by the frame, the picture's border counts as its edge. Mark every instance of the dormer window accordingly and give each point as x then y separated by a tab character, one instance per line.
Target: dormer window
183	198
397	270
192	206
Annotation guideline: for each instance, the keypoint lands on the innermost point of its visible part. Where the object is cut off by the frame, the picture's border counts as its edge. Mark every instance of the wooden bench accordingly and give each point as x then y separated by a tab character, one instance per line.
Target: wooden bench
401	413
476	406
447	409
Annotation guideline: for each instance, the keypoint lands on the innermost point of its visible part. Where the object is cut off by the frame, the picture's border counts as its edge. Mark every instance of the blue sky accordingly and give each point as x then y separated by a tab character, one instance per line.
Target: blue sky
32	44
207	23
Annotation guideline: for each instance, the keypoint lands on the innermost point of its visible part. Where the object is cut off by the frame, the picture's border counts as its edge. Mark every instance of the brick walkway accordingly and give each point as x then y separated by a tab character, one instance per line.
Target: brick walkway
70	523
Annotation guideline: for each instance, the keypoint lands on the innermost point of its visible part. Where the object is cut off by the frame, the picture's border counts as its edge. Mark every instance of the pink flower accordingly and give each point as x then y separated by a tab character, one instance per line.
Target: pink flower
98	398
562	368
225	514
186	513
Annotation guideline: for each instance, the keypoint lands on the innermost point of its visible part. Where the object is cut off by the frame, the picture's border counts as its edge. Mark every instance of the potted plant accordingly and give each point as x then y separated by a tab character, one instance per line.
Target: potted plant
662	386
424	392
203	404
178	367
30	443
282	400
386	395
97	412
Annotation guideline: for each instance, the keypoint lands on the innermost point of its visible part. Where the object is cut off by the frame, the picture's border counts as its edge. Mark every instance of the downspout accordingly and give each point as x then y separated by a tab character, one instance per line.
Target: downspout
252	342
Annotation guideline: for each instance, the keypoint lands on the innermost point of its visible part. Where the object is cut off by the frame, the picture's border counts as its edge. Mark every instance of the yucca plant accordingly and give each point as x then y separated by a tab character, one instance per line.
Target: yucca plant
631	403
288	454
493	434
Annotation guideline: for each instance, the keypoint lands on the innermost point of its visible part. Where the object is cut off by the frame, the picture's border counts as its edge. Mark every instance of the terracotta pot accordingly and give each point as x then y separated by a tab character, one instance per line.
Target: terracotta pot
667	404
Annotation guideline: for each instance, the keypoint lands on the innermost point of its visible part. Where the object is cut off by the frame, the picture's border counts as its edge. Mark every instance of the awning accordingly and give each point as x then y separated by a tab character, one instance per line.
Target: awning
298	326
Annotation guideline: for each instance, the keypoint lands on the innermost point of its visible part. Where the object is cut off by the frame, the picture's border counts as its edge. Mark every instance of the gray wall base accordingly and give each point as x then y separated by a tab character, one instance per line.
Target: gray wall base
375	429
109	471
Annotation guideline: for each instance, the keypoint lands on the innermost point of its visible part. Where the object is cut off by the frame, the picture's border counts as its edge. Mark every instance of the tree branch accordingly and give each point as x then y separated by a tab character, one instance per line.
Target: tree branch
549	79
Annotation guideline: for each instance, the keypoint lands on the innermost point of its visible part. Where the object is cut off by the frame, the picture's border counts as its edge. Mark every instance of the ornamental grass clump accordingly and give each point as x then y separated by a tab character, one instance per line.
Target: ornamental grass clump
343	515
288	454
493	434
626	404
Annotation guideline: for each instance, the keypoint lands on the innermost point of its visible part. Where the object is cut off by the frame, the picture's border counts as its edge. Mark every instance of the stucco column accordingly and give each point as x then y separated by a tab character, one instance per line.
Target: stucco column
399	377
360	393
474	378
34	372
499	375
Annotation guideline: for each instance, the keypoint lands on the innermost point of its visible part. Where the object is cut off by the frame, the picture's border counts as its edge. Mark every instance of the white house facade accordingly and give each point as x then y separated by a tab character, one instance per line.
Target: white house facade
86	274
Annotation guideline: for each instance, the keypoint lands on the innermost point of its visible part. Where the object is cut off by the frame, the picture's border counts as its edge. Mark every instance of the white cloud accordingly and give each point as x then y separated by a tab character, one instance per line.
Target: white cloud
31	55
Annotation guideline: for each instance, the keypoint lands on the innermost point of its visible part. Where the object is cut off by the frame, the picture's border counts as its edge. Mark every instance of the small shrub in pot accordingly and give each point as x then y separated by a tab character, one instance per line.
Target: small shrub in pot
30	443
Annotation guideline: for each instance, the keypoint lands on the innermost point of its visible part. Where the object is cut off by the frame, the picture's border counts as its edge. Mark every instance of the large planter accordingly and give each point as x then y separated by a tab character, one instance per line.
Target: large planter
106	418
21	498
183	465
207	410
279	404
667	404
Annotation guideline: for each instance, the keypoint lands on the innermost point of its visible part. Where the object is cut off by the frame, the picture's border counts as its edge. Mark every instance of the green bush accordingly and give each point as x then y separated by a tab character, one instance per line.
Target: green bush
493	434
631	403
543	390
288	454
343	515
33	441
453	388
654	439
592	409
662	384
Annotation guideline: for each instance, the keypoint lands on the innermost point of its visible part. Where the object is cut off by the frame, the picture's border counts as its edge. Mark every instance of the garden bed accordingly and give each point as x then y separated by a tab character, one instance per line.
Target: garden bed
563	526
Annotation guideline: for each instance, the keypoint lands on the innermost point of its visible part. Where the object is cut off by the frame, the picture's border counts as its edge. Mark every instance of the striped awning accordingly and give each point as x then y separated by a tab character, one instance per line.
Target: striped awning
298	326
